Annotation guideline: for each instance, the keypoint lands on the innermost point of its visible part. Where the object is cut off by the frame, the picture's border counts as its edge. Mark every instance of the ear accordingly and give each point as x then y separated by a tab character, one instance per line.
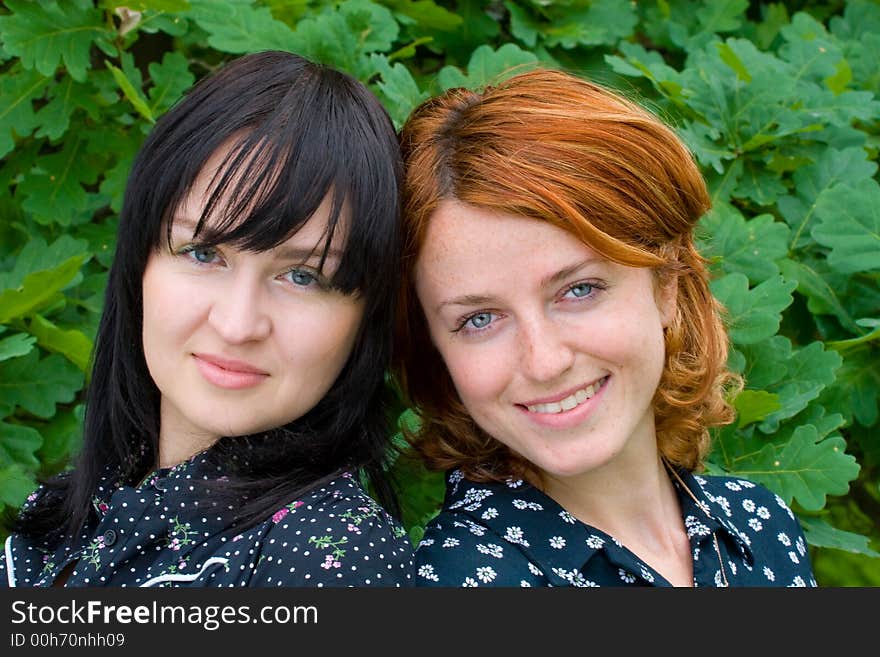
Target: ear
667	300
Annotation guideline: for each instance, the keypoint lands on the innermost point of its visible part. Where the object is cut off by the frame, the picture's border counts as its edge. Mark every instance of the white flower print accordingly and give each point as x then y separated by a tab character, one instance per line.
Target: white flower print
695	527
486	574
524	584
719	580
573	577
646	574
626	576
423	543
474	528
732	485
557	542
490	513
450	542
784	539
763	512
469	582
701	504
595	542
472	499
793	557
491	549
801	547
534	570
798	581
745	483
427	571
514	483
749	505
515	535
531	506
784	506
755	524
732	565
567	517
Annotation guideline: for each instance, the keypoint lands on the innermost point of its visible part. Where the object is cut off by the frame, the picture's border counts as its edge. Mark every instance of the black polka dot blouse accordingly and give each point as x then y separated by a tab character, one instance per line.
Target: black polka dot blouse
157	535
491	534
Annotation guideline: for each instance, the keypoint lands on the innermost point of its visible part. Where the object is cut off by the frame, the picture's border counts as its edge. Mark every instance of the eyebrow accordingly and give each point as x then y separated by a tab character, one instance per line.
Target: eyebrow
481	300
296	254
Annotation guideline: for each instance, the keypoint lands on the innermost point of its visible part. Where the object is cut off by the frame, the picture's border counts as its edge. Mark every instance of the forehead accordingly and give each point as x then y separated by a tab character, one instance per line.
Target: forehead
465	236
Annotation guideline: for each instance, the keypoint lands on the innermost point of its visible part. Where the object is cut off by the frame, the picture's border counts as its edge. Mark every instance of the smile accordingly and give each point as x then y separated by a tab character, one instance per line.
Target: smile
572	401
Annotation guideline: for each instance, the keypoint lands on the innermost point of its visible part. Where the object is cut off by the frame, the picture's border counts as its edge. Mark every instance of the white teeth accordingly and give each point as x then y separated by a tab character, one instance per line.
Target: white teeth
569	402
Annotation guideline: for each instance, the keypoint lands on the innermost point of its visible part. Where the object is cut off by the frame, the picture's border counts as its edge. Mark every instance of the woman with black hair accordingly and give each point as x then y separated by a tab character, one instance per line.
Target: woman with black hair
238	371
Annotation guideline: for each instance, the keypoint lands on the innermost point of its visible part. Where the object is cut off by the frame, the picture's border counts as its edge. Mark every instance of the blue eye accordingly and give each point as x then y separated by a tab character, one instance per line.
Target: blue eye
205	255
581	290
301	277
479	321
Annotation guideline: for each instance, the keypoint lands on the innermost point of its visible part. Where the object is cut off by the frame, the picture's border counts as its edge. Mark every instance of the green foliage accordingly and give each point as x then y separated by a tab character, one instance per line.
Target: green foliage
778	101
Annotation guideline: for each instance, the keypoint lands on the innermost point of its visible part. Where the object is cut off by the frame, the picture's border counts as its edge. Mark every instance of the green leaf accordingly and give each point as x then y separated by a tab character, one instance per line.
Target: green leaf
749	247
752	315
38	290
170	79
134	95
62	436
18	90
832	167
55	193
857	392
810	370
603	22
44	34
397	88
849	223
236	26
18	445
372	23
37	256
16	345
729	57
754	405
822	297
67	97
806	469
37	385
427	14
70	343
767	362
820	534
15	485
487	66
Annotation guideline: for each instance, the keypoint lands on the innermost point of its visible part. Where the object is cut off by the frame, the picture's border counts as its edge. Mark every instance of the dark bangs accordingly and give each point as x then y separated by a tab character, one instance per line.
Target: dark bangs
291	146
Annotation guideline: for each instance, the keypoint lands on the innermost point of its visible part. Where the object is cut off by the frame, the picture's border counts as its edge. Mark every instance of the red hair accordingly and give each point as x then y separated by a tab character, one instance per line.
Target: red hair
553	147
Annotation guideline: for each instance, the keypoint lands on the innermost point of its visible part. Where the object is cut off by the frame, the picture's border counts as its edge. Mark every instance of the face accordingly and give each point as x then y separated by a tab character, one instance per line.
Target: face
554	351
239	342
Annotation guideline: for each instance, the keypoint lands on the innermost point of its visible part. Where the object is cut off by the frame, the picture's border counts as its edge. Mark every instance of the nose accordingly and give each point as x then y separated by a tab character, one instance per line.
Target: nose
238	313
545	350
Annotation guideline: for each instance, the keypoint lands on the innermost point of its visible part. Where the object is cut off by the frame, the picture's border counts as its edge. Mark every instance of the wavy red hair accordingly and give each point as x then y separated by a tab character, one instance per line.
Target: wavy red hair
554	147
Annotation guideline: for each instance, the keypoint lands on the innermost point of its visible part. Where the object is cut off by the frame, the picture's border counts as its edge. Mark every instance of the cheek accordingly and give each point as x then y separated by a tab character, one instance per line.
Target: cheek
320	335
480	374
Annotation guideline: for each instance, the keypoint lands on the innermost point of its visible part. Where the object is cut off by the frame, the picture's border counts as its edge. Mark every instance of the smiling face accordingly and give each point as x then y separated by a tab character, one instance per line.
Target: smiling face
553	350
236	341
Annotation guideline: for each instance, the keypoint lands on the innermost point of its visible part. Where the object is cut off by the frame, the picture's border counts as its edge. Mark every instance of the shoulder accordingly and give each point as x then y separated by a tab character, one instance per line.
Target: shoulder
336	535
465	545
765	523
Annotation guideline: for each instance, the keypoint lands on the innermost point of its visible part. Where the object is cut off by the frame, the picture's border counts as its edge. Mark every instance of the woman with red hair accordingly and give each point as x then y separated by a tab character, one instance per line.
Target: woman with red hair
559	343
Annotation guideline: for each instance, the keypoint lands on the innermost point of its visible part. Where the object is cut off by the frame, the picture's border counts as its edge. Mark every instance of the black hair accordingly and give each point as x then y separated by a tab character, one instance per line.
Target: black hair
300	131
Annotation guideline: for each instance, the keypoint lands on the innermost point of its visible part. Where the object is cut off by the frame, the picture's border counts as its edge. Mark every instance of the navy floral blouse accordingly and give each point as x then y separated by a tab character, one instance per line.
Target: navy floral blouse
157	535
491	534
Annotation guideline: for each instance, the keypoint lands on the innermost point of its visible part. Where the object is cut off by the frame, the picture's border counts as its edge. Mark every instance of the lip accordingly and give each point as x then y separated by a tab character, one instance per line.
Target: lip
229	373
570	418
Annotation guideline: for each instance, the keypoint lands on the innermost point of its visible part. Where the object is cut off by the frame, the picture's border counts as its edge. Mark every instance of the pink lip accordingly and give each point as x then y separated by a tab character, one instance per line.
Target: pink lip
566	419
561	395
229	373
